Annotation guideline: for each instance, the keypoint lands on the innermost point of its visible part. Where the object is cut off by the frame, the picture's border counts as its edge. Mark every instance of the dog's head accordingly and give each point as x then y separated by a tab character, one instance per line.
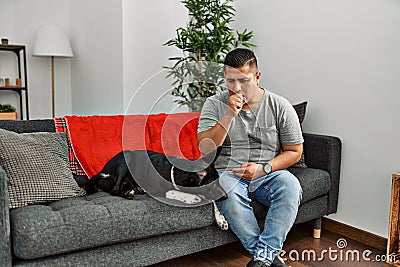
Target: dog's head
204	173
194	173
197	178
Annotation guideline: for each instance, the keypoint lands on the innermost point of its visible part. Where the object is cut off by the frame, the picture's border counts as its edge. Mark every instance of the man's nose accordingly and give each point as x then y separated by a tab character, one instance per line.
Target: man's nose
236	87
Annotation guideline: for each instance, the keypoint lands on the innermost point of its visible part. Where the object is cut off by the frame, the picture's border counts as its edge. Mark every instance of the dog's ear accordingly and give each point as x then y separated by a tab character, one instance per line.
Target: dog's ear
211	157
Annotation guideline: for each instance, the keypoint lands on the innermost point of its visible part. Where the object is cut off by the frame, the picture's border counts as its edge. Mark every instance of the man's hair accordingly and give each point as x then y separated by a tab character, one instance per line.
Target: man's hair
241	57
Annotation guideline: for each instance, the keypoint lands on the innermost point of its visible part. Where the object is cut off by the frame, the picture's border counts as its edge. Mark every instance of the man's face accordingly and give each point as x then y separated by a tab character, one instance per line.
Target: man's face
243	80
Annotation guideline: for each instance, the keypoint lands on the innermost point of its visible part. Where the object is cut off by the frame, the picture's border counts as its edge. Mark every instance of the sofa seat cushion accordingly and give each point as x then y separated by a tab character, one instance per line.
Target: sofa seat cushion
314	182
95	220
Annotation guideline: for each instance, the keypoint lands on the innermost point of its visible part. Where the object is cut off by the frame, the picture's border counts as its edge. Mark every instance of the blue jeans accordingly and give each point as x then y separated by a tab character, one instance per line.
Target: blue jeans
280	191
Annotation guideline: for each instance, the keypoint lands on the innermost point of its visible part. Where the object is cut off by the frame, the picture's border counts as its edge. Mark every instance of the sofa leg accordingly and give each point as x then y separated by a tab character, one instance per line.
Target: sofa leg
317	227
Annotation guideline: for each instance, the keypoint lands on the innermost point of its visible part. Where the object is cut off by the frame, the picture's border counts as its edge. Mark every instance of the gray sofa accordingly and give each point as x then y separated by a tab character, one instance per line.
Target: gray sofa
104	230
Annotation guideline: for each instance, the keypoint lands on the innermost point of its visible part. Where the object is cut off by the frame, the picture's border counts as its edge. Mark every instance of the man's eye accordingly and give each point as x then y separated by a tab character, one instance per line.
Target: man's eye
244	80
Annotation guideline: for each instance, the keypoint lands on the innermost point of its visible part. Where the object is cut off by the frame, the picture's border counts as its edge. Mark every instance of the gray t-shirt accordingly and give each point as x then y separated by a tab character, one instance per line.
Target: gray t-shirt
255	135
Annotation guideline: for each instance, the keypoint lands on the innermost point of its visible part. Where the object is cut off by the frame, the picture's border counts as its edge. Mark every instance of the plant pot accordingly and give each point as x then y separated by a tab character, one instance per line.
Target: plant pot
8	115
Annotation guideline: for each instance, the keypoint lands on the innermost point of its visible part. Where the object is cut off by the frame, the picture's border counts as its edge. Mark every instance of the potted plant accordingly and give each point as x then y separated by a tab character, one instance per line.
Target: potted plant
204	42
7	112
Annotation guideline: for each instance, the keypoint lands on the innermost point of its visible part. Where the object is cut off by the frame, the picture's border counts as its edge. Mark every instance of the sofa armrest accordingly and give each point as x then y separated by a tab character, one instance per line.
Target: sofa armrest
5	241
324	152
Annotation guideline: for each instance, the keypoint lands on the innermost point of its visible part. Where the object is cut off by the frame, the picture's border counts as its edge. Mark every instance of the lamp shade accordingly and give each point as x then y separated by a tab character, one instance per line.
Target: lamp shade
52	41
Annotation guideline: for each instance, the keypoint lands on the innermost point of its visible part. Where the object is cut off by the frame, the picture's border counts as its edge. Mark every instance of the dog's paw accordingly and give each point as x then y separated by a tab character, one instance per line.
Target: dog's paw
220	219
223	224
129	194
182	196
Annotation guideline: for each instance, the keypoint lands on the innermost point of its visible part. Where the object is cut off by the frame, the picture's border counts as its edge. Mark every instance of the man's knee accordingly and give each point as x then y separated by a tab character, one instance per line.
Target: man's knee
289	186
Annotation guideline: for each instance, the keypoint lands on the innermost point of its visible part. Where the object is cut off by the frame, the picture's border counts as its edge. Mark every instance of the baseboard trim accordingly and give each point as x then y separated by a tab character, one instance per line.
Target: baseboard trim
354	233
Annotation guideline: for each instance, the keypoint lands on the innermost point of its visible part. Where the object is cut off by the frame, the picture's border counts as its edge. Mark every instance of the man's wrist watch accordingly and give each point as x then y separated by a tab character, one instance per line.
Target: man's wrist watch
267	168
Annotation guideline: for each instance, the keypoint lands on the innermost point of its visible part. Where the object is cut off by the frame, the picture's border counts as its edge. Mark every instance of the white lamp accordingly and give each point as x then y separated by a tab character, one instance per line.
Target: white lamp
52	42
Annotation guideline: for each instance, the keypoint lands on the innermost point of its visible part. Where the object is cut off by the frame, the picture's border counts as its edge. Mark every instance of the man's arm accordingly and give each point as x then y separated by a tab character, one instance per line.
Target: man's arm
212	138
289	156
215	136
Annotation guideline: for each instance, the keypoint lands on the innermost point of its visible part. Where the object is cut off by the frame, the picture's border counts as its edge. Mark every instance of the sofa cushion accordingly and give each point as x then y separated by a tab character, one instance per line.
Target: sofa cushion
37	167
97	220
25	126
314	182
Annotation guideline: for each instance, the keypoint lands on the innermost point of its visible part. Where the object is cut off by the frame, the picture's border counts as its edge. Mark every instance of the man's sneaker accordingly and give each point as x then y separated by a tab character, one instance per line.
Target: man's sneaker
278	262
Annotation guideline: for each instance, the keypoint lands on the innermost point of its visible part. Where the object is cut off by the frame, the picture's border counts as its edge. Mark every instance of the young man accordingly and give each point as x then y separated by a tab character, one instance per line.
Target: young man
260	137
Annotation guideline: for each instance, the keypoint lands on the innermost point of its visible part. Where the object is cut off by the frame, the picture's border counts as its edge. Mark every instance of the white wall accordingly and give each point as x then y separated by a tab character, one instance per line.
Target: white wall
97	69
343	57
19	22
89	83
145	30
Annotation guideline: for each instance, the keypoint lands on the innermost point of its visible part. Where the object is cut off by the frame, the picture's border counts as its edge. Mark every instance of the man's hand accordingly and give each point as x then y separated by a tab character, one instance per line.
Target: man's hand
249	171
289	156
235	103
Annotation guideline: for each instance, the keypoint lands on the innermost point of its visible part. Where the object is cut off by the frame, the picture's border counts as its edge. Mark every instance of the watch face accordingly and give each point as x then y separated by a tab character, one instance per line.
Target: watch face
267	168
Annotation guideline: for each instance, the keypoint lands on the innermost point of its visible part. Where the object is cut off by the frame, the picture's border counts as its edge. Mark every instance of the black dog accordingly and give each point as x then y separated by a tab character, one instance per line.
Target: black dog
128	172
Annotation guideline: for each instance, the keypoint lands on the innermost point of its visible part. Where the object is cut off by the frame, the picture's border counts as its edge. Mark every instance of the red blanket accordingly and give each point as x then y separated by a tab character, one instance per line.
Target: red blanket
96	139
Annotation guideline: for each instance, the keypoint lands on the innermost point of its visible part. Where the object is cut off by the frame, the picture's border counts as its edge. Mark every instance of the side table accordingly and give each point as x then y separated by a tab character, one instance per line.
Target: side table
393	244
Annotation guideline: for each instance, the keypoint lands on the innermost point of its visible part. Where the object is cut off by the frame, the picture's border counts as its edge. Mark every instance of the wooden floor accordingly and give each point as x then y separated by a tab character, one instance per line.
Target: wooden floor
301	250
